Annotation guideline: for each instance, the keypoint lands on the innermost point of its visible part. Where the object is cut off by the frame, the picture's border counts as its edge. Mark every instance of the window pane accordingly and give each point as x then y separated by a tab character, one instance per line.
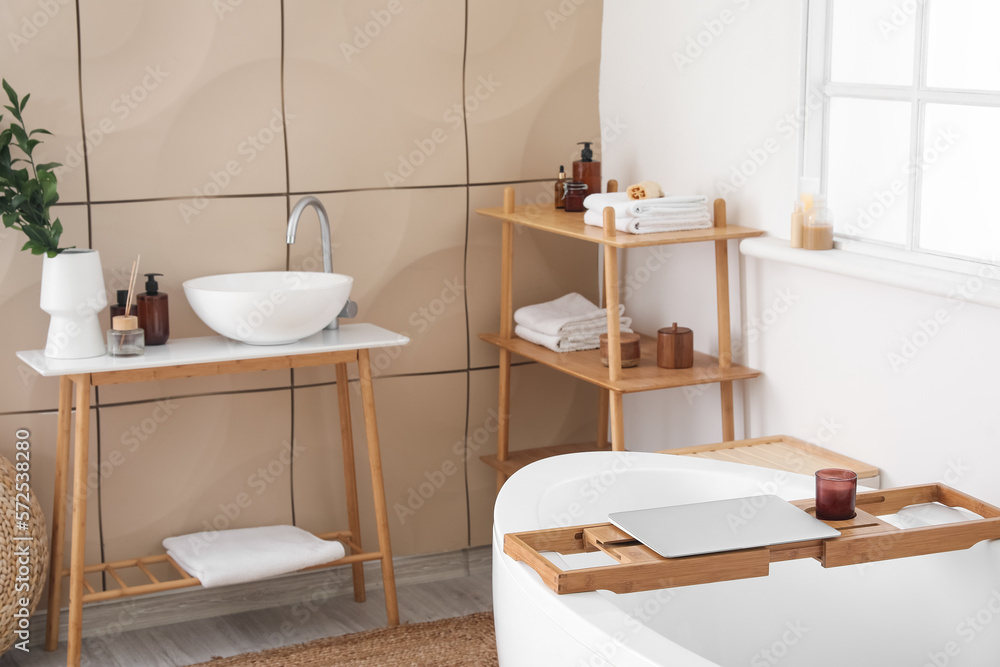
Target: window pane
872	42
963	50
867	178
958	213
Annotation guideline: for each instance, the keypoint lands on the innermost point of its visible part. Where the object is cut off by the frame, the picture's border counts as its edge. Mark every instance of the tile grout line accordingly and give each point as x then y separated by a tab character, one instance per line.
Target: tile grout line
465	288
90	244
290	193
288	259
238	392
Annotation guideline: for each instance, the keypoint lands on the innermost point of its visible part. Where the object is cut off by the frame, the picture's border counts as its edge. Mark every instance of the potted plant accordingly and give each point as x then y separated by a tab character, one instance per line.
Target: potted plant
72	281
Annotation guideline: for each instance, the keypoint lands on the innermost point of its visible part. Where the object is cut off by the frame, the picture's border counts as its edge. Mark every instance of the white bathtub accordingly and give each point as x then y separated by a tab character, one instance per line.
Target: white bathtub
933	611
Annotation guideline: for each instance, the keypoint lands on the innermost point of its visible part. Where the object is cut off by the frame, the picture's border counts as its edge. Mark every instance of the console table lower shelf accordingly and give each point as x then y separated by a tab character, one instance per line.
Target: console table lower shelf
159	584
863	539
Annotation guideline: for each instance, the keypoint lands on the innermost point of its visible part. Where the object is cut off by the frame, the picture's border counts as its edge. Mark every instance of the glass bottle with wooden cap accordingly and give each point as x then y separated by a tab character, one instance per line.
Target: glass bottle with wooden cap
125	338
817	232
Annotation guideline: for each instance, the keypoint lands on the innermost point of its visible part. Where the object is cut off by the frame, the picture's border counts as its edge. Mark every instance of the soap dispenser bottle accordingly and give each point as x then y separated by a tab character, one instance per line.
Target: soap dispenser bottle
585	170
154	317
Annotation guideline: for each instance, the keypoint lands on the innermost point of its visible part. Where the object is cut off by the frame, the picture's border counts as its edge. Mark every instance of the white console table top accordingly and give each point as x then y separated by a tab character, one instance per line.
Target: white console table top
213	349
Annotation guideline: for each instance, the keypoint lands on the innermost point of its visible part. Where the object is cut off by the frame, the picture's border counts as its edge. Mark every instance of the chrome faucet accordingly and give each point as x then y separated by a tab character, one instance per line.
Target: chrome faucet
350	308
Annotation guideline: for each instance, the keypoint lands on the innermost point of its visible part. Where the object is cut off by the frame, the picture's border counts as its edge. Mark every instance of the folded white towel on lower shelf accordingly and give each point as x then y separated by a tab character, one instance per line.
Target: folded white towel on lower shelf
567	343
652	224
594	328
551	317
224	557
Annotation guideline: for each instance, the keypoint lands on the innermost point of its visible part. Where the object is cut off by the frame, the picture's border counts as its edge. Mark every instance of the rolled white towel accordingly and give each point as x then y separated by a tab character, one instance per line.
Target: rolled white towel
224	557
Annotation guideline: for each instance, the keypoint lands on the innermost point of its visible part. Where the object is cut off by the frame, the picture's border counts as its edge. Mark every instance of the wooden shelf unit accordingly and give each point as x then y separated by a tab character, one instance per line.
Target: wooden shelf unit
613	381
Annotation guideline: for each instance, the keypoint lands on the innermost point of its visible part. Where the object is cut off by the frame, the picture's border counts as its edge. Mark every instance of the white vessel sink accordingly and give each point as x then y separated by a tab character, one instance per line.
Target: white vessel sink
268	307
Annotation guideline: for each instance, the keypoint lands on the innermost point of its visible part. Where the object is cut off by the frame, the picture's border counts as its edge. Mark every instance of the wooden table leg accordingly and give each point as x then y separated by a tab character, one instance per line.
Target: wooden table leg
350	477
378	487
59	514
603	401
79	536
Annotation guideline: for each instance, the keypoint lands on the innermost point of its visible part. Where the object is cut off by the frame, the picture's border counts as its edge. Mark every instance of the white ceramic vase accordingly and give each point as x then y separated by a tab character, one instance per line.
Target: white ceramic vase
73	295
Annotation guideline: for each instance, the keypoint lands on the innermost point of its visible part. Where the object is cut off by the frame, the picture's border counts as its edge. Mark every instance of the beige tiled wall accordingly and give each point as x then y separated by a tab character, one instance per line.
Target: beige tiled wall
188	129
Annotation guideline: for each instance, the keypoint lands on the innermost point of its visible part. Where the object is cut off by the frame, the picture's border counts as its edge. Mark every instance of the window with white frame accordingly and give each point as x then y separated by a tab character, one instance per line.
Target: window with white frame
904	125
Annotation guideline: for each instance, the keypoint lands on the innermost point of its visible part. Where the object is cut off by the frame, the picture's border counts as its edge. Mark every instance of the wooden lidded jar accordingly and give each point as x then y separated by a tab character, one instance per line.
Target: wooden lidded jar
630	349
675	347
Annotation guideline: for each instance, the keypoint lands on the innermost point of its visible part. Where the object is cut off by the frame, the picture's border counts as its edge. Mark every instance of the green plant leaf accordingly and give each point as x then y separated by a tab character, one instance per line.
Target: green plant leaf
27	191
11	95
38	239
49	194
20	136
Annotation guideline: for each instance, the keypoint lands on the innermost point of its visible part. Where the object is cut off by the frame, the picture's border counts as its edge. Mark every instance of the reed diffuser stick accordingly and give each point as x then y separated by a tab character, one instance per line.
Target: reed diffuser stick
131	285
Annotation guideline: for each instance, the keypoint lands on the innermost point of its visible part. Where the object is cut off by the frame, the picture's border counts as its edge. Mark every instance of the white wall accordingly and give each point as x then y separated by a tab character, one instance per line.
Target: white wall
827	374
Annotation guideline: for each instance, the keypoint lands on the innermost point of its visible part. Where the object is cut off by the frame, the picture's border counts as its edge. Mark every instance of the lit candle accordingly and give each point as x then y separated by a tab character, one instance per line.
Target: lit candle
836	489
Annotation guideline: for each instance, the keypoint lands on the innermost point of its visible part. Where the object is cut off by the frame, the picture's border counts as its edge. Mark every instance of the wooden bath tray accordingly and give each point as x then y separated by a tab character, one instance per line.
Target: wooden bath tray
863	539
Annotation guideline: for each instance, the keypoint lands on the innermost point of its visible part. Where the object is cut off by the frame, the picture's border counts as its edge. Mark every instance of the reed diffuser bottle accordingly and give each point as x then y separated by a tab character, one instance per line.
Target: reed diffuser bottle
125	338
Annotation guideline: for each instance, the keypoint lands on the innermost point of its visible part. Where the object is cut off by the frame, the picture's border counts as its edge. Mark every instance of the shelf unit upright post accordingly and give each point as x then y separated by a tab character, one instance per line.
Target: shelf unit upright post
612	381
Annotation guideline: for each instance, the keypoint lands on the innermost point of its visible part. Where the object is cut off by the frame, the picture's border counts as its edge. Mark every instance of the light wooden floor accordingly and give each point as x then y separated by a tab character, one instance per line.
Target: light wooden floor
196	641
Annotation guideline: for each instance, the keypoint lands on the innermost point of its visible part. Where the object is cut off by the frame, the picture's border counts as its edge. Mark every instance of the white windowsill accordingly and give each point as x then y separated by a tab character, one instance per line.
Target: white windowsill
984	291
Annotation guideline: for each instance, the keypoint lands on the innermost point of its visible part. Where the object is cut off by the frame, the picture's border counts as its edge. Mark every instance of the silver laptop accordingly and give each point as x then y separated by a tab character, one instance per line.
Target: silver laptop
721	525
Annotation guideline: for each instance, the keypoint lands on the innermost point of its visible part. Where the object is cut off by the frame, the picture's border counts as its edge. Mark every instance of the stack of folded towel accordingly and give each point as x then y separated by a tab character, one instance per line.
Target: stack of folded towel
646	216
567	324
220	558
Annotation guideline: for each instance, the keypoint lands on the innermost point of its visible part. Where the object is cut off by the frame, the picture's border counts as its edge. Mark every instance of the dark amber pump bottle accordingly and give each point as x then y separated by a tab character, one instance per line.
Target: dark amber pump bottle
586	170
154	316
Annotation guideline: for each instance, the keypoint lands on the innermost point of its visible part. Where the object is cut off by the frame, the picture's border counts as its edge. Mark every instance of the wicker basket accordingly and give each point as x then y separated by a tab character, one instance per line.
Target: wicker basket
12	588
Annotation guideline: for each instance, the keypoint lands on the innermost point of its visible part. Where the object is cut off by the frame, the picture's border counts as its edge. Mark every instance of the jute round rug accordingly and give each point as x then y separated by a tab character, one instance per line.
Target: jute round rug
468	640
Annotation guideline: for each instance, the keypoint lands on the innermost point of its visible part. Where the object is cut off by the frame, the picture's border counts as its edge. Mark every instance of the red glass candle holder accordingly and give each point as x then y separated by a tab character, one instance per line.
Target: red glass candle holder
836	490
